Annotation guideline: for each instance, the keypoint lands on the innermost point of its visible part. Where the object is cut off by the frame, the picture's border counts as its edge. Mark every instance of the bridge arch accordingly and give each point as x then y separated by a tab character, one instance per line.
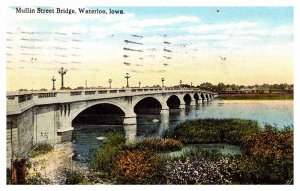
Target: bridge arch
100	114
81	108
173	102
196	97
202	95
187	99
147	105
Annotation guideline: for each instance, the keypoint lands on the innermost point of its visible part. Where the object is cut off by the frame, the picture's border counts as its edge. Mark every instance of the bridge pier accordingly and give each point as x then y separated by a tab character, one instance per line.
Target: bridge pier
65	129
130	132
165	111
182	106
129	120
164	106
193	102
200	100
208	98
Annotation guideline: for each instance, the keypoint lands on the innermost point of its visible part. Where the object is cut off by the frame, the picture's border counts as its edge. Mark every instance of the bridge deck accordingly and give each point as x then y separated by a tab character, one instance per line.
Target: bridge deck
17	102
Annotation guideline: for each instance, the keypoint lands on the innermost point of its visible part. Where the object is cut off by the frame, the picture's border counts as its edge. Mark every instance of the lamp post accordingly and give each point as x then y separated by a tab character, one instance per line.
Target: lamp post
139	84
62	72
53	83
162	81
127	77
109	81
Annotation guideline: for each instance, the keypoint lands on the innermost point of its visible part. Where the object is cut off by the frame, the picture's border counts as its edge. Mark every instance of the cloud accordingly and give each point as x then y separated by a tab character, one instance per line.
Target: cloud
136	25
78	29
164	21
204	28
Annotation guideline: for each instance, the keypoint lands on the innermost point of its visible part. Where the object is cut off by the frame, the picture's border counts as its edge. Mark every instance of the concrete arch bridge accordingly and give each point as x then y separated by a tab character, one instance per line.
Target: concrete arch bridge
36	117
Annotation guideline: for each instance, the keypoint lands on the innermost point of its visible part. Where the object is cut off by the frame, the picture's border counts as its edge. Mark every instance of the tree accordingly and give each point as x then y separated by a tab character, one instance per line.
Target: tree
221	87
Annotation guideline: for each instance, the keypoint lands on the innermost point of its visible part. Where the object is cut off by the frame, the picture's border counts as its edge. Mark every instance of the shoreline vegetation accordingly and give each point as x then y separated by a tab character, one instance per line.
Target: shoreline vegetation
266	157
256	96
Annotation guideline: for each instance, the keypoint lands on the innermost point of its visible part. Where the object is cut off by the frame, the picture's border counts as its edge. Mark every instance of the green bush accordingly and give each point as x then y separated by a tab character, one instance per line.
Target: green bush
104	159
229	131
114	139
41	149
159	145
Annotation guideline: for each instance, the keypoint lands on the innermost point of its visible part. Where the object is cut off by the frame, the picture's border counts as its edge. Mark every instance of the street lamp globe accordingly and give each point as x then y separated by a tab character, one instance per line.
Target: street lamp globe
162	81
110	81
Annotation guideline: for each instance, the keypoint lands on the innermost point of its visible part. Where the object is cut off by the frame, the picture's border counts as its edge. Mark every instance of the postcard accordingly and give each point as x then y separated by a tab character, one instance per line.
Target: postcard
149	95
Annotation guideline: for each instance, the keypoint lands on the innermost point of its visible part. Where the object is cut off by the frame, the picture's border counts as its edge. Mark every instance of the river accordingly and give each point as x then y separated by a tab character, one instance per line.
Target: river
87	139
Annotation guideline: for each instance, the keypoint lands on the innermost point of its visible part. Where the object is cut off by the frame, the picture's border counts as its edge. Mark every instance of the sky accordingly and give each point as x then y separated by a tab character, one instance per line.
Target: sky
233	45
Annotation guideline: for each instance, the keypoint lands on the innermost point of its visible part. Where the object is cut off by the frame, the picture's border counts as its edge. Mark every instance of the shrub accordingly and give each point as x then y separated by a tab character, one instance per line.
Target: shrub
104	160
159	145
41	149
229	131
268	157
114	139
140	167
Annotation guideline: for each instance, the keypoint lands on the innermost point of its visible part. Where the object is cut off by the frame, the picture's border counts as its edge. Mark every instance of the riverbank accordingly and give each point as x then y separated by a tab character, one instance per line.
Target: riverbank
256	96
59	167
51	166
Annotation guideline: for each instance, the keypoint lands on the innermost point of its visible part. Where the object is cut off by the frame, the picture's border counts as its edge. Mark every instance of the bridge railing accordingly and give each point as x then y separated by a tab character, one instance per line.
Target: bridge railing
20	102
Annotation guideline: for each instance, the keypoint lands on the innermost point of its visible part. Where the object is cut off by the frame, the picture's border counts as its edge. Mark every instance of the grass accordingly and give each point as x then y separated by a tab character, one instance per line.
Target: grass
256	96
41	149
